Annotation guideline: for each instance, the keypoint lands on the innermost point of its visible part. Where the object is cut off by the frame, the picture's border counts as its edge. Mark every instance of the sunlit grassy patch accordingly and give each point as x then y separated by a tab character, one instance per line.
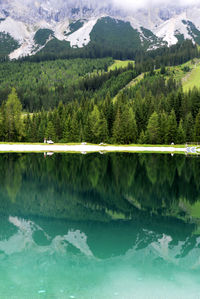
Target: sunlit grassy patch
119	63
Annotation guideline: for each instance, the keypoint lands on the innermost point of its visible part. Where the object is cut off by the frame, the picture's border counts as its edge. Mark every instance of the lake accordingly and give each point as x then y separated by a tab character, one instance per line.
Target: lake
99	226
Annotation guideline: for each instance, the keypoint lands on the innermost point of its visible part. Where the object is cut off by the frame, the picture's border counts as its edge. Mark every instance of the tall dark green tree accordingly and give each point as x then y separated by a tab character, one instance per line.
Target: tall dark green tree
50	132
197	128
189	127
171	128
181	137
75	129
117	128
101	130
12	118
153	129
67	132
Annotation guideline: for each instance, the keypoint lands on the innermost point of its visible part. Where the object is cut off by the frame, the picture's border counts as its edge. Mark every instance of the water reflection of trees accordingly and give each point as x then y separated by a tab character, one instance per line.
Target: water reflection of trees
82	187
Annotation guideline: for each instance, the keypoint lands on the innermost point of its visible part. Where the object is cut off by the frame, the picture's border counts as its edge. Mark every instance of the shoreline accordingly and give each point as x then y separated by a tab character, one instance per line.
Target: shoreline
79	148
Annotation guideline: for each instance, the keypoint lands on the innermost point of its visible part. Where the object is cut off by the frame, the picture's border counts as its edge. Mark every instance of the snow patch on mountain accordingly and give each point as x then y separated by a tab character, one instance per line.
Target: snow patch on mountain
18	30
193	15
81	37
27	48
24	34
60	29
23	18
170	28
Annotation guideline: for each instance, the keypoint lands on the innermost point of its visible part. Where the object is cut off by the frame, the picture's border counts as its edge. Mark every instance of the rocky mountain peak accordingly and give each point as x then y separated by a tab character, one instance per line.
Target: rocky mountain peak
21	19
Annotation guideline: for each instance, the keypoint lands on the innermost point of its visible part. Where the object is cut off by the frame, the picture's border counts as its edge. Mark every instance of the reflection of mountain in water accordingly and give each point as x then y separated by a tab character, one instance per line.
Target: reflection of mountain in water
142	240
99	187
100	227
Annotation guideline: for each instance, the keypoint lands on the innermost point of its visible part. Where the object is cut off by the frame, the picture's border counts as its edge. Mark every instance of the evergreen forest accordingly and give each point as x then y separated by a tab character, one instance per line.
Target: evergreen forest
83	99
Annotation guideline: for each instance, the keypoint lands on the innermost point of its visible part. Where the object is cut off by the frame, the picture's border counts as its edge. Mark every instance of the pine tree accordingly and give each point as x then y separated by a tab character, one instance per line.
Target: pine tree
87	131
117	129
58	125
142	138
153	129
94	120
67	133
101	130
162	127
27	123
50	132
41	131
180	139
129	126
13	122
171	128
189	127
109	113
2	128
33	129
197	128
75	129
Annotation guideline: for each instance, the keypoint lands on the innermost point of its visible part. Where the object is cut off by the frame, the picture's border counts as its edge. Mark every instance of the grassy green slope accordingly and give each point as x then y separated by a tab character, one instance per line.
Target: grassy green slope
120	63
188	73
192	79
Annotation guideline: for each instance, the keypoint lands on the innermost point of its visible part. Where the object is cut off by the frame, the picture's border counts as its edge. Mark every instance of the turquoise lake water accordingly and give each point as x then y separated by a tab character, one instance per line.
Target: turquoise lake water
99	226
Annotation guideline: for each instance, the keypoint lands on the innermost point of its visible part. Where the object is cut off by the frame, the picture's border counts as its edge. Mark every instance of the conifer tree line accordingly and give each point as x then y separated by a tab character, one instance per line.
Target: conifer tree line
75	100
43	85
155	111
174	55
166	56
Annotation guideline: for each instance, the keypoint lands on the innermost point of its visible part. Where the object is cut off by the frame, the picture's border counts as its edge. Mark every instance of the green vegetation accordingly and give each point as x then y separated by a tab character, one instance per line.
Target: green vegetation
164	56
7	45
193	31
54	49
115	33
188	73
191	80
42	35
45	84
99	100
151	40
119	48
193	210
119	64
81	186
11	123
154	111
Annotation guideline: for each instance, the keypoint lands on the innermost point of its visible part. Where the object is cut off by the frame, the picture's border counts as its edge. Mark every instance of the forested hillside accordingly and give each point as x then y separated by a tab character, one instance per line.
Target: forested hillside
173	55
155	111
45	84
86	100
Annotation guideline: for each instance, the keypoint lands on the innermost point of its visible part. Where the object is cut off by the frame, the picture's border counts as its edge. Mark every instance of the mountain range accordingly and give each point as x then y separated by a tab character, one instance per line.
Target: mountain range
27	27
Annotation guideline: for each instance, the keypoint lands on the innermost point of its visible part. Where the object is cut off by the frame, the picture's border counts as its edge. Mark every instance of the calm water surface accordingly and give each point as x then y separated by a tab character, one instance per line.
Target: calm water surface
99	226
